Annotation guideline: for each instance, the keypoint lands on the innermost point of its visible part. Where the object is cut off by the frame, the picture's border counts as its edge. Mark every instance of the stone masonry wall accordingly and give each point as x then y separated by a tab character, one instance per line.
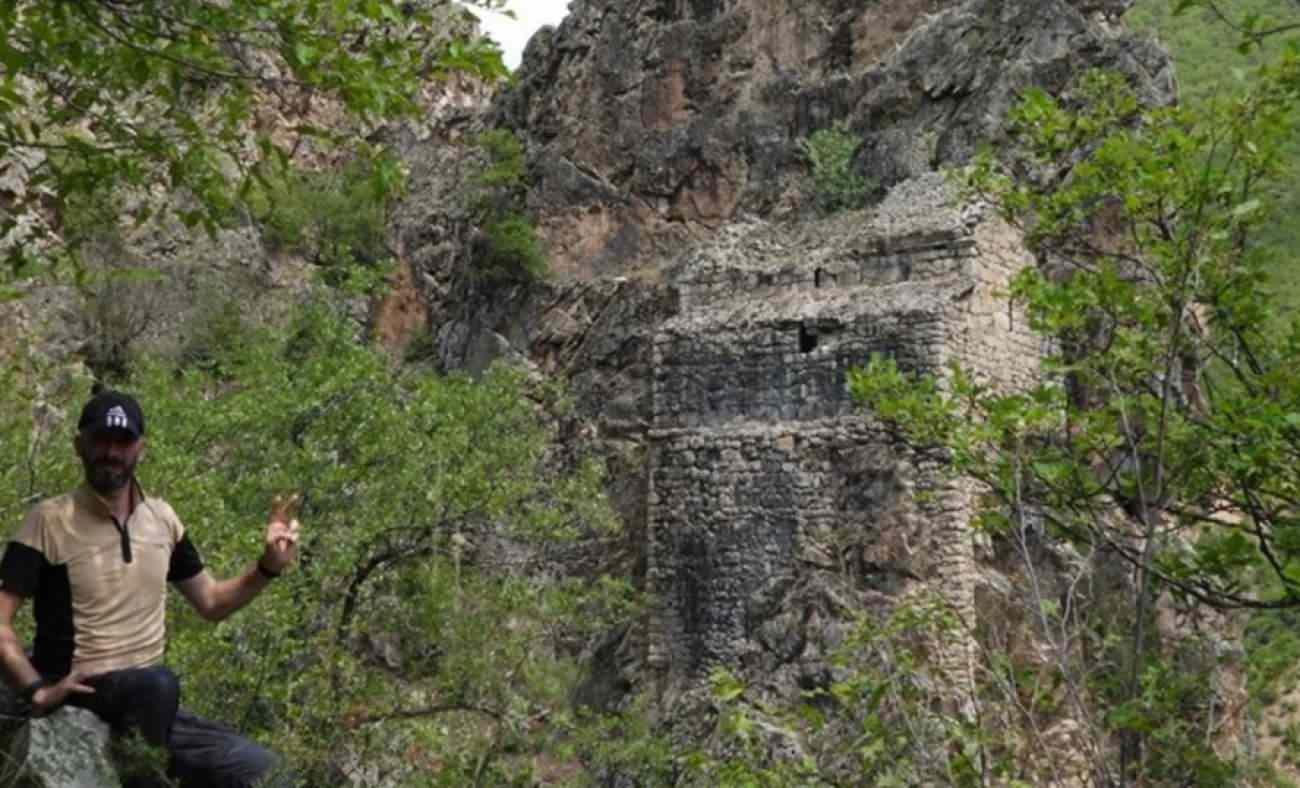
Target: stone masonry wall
764	473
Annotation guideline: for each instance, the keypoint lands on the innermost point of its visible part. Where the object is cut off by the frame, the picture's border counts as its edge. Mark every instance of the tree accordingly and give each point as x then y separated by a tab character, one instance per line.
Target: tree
1252	25
183	96
422	618
1165	432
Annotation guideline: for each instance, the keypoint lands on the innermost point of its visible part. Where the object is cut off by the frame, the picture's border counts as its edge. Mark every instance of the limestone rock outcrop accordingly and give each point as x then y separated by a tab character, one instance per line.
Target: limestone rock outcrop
699	307
706	317
652	123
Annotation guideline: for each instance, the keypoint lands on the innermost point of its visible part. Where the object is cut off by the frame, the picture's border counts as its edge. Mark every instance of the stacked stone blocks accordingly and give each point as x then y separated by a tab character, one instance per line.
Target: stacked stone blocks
763	468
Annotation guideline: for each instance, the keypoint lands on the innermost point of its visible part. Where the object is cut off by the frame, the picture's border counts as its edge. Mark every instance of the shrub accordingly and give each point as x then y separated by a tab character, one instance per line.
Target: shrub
510	248
335	218
513	248
400	627
505	160
830	153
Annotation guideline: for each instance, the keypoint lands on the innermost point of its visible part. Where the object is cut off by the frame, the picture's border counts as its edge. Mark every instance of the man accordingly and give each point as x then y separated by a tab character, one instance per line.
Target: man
97	561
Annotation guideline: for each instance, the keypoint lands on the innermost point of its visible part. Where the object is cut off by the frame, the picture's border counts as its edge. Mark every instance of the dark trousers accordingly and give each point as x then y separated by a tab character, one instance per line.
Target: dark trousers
202	754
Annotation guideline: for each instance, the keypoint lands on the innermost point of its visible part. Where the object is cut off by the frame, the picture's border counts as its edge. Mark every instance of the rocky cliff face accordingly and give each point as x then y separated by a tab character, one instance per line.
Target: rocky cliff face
650	124
706	318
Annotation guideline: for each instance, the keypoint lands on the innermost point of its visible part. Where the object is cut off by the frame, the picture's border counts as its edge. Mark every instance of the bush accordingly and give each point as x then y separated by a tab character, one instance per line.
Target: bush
510	247
403	628
219	322
505	160
336	219
513	248
830	153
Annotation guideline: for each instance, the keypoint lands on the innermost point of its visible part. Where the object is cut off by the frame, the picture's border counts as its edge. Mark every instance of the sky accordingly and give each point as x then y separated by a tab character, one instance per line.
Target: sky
512	34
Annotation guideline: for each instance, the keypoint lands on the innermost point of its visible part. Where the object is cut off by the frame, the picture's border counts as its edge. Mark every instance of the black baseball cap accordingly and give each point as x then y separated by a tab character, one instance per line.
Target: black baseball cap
112	410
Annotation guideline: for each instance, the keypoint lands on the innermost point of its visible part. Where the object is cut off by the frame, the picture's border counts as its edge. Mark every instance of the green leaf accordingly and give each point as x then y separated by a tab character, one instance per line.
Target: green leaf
1246	208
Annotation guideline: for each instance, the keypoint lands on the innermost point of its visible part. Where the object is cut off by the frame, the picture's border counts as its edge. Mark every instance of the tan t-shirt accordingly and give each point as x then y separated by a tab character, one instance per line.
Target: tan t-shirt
108	611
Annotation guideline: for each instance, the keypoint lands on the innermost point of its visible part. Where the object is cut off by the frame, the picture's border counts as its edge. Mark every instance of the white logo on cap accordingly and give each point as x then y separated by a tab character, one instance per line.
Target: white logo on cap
116	417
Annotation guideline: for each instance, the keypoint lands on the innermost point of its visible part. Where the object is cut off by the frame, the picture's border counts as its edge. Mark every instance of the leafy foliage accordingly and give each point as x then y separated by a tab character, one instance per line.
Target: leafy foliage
1253	23
505	160
174	94
1165	395
414	620
837	183
1036	716
1209	60
884	720
1214	57
1163	433
513	247
335	218
1273	646
510	248
327	215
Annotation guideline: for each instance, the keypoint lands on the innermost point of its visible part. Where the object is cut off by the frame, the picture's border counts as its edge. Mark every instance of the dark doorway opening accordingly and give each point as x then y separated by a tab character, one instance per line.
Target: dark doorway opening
807	340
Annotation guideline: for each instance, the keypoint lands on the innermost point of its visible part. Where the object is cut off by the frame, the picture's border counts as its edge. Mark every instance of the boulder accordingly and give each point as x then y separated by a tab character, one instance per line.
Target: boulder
68	749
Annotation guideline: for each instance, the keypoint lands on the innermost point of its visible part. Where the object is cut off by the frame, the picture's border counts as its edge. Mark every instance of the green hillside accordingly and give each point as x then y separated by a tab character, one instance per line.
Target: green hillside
1205	49
1209	66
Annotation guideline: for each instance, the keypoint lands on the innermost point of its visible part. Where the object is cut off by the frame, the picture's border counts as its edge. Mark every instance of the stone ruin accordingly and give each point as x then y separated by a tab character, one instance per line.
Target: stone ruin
763	471
707	320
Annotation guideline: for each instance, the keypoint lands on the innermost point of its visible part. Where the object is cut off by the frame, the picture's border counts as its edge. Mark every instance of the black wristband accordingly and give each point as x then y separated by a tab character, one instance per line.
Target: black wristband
264	572
28	693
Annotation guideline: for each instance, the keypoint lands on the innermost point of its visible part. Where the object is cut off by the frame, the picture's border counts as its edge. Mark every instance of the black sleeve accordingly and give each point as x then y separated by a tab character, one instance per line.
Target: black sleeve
185	561
20	569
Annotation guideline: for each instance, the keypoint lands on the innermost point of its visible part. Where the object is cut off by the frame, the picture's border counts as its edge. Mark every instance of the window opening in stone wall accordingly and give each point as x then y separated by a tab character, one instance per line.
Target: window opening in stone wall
807	340
819	278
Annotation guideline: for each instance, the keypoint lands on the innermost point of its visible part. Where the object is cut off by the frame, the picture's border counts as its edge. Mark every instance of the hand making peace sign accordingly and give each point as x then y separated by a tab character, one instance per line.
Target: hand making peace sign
281	534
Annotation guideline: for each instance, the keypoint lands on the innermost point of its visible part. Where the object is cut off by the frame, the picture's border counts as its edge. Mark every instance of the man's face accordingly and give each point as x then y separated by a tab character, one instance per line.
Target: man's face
109	458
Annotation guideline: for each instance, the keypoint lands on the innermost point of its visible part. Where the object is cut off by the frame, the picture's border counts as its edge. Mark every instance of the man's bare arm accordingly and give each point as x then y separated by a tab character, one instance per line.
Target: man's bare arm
216	599
20	670
16	665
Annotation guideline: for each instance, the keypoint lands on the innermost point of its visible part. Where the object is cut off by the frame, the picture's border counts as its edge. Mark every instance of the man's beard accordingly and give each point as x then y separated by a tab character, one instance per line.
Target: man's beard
104	477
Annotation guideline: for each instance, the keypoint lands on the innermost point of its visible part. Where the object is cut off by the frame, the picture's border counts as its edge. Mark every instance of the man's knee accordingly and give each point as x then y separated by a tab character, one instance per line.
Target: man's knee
160	686
156	694
210	754
251	761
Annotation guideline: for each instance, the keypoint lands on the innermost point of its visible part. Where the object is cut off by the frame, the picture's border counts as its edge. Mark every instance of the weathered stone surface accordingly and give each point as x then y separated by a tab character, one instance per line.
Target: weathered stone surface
158	288
765	480
650	124
706	319
67	749
948	87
